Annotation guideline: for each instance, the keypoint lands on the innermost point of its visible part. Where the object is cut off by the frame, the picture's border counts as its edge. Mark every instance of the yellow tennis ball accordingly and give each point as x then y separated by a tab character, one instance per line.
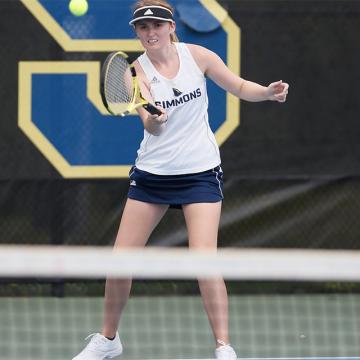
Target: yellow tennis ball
78	7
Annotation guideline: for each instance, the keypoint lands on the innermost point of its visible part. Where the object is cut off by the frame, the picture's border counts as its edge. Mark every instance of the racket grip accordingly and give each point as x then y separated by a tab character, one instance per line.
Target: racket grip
152	109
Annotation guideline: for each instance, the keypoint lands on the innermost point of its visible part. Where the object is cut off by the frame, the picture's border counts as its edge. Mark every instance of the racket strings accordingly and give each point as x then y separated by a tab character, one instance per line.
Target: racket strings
119	83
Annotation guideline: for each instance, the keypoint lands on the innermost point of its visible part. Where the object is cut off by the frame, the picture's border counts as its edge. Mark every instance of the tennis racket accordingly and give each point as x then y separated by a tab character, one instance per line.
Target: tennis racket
119	87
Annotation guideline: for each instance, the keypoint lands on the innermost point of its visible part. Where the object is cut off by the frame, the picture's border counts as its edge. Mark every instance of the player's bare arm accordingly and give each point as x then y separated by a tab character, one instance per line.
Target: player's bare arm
154	124
215	69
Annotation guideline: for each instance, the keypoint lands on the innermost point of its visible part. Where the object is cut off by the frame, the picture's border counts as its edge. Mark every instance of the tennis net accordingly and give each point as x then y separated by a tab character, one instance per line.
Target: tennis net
282	303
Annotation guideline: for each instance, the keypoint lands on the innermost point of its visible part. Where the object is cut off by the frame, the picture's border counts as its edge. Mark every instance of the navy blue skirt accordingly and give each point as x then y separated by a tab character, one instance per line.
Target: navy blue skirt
176	190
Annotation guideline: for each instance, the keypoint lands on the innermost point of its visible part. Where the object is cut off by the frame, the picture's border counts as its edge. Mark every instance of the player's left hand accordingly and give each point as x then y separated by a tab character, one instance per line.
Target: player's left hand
277	91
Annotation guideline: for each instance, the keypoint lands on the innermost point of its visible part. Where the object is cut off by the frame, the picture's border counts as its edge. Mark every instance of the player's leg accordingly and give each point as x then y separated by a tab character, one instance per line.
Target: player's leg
137	223
202	221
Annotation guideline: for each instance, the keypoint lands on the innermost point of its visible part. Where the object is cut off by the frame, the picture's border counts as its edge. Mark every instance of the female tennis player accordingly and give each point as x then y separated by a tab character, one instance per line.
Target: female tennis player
178	163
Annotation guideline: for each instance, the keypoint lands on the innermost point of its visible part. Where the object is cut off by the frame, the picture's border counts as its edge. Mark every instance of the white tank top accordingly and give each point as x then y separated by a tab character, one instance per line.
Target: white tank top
187	144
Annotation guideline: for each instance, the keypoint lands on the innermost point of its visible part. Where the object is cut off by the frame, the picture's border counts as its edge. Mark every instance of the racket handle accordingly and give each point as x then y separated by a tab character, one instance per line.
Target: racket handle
152	109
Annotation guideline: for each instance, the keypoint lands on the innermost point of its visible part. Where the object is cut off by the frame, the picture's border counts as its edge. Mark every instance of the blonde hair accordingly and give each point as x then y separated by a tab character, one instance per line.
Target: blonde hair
163	3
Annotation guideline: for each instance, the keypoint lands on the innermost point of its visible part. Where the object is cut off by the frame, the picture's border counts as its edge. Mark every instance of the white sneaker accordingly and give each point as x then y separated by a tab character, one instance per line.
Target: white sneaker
225	352
100	347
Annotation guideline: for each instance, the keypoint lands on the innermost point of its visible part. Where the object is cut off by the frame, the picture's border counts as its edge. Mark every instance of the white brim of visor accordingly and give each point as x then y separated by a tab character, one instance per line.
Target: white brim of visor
133	21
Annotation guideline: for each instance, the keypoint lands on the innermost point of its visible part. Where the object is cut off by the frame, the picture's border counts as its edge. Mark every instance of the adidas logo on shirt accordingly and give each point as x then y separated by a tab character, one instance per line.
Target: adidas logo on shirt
132	183
155	80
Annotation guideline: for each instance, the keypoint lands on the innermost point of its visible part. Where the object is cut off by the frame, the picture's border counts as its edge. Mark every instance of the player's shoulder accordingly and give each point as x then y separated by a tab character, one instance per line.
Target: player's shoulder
199	52
140	73
139	70
196	49
201	55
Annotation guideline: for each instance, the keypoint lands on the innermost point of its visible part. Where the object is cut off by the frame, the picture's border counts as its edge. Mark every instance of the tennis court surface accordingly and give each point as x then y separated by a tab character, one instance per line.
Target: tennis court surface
48	316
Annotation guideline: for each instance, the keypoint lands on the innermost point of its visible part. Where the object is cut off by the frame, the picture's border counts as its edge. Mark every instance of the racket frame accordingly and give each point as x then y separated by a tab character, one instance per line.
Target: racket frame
137	100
